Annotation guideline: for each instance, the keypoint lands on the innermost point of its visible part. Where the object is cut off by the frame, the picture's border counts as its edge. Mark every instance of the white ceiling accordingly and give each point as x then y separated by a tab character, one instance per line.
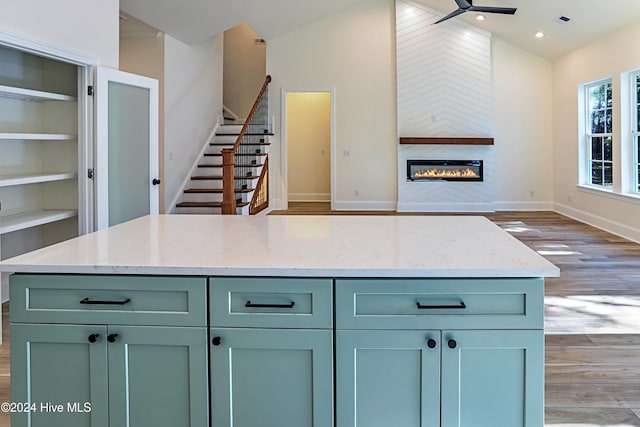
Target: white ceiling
192	21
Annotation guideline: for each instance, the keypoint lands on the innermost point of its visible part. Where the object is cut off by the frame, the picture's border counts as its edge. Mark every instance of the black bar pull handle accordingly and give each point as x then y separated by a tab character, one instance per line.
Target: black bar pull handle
99	302
460	306
249	304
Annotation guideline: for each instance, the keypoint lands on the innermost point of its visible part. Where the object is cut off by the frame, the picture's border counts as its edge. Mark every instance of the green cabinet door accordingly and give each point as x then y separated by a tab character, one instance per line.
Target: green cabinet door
158	376
387	378
57	369
271	378
492	378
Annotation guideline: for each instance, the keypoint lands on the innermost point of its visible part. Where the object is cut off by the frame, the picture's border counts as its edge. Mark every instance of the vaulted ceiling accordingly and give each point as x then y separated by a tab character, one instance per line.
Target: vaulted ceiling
194	20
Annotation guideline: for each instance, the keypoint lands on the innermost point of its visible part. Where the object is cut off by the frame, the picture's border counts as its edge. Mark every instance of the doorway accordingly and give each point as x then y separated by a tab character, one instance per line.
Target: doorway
308	146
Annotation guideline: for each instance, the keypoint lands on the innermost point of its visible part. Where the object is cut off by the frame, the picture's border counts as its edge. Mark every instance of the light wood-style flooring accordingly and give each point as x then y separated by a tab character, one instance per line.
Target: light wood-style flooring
592	322
592	316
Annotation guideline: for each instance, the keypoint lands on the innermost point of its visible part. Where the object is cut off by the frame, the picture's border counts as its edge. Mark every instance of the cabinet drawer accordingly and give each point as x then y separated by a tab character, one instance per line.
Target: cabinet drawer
439	303
271	302
118	300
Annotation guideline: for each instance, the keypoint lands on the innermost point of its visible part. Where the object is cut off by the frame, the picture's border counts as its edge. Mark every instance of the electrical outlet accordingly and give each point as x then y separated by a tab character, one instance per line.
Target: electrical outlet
532	193
170	155
347	153
356	192
569	198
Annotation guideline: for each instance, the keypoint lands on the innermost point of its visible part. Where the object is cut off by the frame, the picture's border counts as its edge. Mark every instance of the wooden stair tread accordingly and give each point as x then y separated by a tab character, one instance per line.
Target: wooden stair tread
245	144
207	204
200	177
215	190
255	165
246	134
238	154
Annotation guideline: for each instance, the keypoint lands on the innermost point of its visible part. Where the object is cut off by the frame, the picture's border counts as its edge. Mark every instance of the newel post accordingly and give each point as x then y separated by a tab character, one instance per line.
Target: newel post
228	182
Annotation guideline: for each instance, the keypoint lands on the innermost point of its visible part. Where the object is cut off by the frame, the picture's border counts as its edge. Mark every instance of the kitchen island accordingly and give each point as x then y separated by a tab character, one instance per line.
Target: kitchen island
284	321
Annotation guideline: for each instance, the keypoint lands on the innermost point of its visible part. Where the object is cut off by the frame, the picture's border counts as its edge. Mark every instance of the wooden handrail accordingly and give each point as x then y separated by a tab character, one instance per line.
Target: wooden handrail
228	158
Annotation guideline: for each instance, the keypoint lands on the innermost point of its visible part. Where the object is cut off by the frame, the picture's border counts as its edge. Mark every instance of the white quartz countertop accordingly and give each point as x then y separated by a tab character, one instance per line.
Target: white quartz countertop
320	246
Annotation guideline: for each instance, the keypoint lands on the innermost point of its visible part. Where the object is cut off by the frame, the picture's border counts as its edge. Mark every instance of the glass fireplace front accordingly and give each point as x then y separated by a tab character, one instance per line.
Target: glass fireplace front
444	170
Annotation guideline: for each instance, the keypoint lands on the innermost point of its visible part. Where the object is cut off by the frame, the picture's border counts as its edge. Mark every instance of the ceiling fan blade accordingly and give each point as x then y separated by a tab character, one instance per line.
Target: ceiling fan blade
489	9
463	4
451	15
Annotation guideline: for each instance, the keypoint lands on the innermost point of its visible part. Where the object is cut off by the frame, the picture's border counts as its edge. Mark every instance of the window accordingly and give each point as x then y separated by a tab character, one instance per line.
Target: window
635	113
599	133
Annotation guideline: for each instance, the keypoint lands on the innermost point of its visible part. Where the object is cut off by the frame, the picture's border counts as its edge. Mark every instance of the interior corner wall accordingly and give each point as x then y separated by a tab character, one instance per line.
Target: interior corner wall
353	52
192	103
86	26
244	69
145	56
607	57
523	151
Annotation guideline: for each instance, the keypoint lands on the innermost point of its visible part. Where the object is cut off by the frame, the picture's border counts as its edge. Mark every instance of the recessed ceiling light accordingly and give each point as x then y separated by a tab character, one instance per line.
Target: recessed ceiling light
539	34
480	17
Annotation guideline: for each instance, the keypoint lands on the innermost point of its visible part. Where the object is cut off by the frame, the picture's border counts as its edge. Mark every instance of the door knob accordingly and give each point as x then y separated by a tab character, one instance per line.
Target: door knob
452	343
93	338
431	343
216	341
112	337
155	181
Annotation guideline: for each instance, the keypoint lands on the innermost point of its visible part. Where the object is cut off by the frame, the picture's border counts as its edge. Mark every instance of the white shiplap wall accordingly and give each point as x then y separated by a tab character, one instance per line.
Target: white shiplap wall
444	89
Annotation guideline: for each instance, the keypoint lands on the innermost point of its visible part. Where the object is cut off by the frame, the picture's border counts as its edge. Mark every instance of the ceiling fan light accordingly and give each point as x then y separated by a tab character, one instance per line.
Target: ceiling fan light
480	17
539	34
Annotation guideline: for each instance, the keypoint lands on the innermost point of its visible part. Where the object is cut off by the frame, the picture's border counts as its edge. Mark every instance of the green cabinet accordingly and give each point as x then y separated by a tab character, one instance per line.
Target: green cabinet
437	352
89	367
271	352
271	377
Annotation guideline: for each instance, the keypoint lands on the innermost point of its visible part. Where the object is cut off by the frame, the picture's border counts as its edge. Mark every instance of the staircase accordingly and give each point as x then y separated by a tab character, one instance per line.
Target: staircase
203	194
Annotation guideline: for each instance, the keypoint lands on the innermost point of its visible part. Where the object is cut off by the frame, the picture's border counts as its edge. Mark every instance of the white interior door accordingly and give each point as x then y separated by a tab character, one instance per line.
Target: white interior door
126	163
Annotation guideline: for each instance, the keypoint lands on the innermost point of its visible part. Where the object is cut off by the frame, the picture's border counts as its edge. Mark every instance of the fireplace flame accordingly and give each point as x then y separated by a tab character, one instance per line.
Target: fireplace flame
446	173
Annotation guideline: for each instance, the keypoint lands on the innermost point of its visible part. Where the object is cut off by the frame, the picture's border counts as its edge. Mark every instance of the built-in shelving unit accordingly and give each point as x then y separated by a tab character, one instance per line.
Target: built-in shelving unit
39	153
38	136
26	220
33	95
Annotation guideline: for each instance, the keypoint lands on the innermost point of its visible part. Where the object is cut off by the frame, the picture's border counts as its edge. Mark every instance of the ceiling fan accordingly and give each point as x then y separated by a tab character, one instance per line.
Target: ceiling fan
467	6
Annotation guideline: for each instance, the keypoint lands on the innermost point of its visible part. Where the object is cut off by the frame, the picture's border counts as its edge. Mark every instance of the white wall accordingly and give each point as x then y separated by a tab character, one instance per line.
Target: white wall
353	52
608	57
244	69
193	100
522	84
86	26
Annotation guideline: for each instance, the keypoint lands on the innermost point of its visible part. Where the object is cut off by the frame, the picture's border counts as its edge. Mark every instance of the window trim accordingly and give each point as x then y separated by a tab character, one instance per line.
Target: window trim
588	135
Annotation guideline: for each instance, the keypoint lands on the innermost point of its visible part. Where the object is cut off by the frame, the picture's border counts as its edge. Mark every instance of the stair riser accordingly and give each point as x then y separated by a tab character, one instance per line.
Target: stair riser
217	171
210	211
217	183
217	149
212	197
229	129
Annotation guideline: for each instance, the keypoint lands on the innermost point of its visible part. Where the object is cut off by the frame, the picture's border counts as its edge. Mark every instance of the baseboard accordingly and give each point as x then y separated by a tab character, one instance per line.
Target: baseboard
605	224
364	206
446	207
523	206
309	197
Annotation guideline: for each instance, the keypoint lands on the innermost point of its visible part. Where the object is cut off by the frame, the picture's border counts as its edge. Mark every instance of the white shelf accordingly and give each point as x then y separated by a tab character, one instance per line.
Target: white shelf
21	221
33	95
39	136
34	178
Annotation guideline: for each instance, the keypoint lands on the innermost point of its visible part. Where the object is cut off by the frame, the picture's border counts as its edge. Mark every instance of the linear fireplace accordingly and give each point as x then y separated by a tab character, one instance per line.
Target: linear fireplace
444	170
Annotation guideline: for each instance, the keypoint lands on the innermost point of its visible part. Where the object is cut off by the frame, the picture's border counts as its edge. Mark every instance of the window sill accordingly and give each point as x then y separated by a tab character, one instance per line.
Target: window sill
626	197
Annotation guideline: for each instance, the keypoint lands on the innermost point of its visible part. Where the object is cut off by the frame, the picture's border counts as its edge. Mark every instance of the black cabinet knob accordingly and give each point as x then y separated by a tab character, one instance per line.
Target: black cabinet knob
155	181
452	343
93	338
112	337
216	341
431	343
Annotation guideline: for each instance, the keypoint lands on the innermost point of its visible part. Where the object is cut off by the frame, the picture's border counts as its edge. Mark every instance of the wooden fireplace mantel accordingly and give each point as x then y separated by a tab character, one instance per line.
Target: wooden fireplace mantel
446	140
